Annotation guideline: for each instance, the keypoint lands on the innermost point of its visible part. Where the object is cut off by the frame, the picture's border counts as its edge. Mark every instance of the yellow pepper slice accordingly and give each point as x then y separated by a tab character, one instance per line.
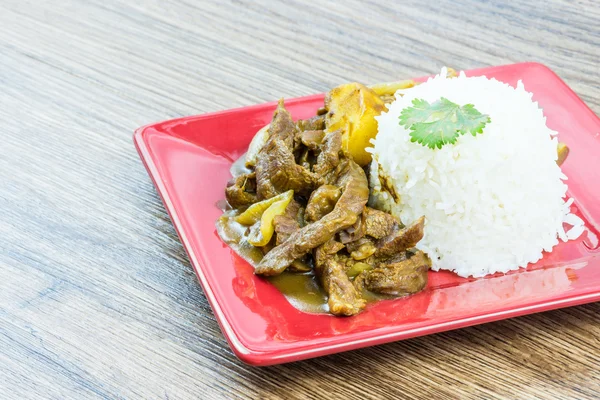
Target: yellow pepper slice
256	210
262	232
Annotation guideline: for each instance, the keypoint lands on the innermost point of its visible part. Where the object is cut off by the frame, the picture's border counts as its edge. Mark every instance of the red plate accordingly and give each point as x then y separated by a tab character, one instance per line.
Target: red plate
189	160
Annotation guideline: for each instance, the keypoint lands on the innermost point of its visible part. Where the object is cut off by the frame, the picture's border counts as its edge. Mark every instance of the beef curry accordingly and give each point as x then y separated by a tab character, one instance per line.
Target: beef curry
299	215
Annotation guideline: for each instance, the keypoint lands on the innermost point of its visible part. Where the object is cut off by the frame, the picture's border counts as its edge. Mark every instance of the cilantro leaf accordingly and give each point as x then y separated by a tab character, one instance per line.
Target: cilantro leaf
442	122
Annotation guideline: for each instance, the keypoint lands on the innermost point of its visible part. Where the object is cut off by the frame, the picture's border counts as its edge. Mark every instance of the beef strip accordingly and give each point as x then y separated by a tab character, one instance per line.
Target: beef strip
372	251
355	232
277	172
343	298
312	139
394	245
329	157
321	202
378	223
241	191
373	223
287	223
276	168
400	239
355	193
398	277
316	123
282	125
325	251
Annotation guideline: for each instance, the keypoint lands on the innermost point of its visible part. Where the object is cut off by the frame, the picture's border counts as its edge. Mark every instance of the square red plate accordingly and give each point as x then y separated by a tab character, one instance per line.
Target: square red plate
189	159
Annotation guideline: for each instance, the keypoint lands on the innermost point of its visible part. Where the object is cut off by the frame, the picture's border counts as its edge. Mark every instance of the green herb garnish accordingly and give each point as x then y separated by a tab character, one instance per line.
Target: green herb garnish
434	125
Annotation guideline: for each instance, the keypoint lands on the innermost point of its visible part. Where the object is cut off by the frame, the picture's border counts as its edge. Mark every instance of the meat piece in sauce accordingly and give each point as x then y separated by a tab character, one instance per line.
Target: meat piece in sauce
312	139
287	223
395	241
400	240
329	157
355	232
374	223
316	123
241	191
378	224
277	172
276	168
397	277
361	239
282	126
342	297
355	193
321	202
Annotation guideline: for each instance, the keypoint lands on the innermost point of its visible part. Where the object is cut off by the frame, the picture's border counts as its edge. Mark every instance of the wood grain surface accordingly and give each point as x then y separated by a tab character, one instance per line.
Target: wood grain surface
97	296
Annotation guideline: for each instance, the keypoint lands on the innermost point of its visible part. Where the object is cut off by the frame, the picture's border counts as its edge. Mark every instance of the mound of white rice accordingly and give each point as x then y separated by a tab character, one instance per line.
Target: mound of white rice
492	202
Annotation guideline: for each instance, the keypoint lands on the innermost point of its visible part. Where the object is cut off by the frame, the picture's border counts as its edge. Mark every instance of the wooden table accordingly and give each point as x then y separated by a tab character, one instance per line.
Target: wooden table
98	298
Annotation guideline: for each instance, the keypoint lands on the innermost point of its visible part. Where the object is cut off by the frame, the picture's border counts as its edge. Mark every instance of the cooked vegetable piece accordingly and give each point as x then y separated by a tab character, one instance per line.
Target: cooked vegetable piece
387	90
241	191
262	231
355	232
451	73
387	99
357	268
355	245
256	210
563	152
299	266
352	108
390	88
365	251
258	141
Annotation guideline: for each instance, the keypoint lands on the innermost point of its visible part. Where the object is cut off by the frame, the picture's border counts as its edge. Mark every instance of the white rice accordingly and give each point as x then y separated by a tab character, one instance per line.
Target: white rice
492	202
